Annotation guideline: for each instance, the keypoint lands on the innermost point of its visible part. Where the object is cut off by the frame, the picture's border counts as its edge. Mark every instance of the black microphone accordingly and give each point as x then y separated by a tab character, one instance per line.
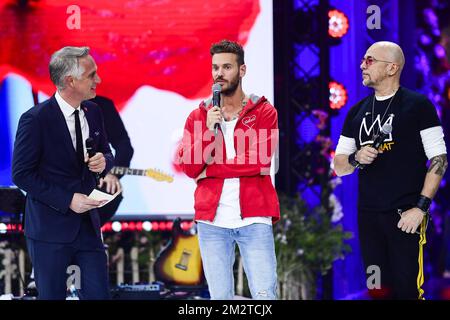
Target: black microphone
379	139
90	148
216	89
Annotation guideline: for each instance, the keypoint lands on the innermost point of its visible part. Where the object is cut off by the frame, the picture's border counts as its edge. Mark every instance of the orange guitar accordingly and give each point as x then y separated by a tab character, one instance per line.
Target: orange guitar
179	263
158	175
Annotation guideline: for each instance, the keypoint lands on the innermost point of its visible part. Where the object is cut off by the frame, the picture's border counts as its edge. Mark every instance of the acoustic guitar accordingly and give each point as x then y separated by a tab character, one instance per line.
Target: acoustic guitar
179	262
156	174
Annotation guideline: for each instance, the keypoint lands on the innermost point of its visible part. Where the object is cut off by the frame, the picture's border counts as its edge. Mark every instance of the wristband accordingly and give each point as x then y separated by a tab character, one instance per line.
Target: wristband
353	162
423	203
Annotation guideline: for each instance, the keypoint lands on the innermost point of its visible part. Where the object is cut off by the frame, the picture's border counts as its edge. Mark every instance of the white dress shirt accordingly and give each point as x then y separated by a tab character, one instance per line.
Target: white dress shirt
69	115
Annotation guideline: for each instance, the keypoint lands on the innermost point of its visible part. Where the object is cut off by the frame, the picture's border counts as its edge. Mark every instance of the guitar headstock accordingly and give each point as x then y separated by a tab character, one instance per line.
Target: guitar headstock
158	175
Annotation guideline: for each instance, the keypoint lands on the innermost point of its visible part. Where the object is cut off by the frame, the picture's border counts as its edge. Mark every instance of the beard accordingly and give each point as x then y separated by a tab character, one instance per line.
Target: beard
232	87
368	82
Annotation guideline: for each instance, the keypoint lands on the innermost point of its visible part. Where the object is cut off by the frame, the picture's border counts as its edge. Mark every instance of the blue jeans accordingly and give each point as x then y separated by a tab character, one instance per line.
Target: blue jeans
257	249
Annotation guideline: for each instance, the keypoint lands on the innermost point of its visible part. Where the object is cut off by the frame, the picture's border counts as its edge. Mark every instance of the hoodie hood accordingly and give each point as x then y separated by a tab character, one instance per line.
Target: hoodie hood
253	102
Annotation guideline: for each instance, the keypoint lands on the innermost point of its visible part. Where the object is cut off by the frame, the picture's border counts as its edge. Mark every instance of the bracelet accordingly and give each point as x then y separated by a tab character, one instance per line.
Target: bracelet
423	203
352	160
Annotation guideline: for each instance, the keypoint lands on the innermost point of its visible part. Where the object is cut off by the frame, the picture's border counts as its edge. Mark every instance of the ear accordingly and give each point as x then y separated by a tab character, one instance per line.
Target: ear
242	70
393	69
68	81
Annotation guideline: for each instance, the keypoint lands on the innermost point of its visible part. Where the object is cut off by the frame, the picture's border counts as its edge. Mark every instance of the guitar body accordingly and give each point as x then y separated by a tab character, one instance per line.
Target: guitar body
180	263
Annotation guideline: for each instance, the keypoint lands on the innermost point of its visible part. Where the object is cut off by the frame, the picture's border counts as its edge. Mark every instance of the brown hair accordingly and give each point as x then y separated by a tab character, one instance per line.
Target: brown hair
227	46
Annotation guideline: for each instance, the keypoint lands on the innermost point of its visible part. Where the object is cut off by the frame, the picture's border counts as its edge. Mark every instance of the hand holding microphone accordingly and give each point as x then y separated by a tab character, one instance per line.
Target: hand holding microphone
366	155
96	160
214	117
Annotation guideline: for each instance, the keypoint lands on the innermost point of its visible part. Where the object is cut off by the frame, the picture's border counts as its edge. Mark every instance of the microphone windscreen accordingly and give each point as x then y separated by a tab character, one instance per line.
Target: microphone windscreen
89	143
387	128
90	146
216	87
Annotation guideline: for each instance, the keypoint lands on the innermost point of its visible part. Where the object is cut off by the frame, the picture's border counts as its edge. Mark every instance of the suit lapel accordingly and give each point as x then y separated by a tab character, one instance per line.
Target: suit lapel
93	132
90	120
61	126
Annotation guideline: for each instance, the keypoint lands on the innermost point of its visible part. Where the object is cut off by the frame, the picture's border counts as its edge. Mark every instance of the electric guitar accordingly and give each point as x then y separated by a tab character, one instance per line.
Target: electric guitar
158	175
179	263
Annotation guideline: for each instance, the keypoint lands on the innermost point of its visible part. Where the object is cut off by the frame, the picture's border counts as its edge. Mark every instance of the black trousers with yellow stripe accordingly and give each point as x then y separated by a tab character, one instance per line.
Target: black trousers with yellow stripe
399	255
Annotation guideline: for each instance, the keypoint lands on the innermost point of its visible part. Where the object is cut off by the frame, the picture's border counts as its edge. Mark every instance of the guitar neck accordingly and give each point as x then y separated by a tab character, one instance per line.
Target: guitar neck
151	173
128	171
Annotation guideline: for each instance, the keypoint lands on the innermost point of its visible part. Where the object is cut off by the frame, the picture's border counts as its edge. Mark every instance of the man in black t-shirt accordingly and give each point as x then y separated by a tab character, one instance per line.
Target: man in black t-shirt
395	185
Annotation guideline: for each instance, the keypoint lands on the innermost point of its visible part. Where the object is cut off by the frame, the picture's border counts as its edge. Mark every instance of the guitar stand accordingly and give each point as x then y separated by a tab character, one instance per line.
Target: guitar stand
12	210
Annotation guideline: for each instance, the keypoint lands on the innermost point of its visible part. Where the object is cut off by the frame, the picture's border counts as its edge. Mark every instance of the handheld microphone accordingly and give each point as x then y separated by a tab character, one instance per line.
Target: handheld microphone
384	132
90	148
379	139
216	89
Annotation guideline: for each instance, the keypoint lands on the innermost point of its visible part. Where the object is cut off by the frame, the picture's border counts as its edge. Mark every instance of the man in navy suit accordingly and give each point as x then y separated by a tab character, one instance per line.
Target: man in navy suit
50	163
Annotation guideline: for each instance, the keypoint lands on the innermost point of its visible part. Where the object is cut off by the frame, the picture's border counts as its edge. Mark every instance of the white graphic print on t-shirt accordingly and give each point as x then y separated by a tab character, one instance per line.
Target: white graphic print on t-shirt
366	134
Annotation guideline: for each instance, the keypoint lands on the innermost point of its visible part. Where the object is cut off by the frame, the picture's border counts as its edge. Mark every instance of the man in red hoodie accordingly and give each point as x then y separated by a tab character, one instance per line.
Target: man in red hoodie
235	201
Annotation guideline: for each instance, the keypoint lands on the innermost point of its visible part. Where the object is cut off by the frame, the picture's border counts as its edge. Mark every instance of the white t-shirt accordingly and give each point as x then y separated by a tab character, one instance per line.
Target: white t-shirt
228	213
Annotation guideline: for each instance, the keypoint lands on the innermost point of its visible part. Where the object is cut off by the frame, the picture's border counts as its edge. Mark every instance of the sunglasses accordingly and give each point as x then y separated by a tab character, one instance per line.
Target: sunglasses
369	60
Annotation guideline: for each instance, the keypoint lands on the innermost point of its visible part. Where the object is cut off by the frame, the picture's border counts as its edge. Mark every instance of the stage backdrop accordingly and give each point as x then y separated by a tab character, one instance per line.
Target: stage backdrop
153	58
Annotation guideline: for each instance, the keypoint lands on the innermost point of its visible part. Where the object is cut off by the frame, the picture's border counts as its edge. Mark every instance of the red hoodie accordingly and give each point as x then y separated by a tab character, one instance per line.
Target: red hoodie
255	141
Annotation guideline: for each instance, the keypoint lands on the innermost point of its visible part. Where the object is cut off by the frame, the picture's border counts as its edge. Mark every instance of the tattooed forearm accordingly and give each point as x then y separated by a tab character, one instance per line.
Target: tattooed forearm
438	165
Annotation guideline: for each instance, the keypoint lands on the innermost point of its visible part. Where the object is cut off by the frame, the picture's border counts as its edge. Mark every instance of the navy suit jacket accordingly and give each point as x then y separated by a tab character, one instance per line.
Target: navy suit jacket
46	167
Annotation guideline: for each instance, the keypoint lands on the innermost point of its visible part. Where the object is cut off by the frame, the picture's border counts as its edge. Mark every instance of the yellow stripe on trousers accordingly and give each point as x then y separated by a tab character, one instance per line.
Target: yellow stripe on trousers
422	241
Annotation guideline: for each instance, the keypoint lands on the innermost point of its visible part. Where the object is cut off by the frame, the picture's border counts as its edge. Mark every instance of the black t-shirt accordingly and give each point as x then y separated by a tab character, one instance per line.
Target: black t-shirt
396	177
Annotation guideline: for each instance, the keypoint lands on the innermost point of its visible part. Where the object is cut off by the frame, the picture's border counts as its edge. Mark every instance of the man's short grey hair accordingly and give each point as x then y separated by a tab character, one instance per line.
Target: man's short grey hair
65	62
